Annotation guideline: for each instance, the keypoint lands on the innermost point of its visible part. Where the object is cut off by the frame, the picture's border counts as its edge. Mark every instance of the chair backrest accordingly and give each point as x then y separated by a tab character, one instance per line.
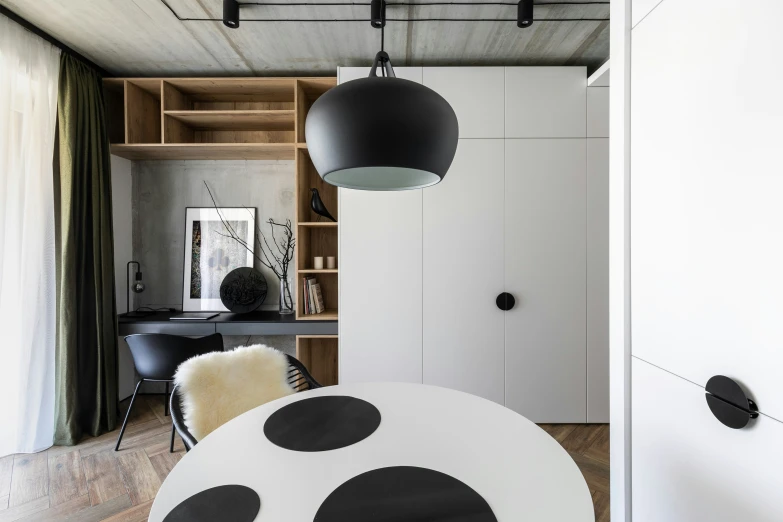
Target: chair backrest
175	407
157	356
298	377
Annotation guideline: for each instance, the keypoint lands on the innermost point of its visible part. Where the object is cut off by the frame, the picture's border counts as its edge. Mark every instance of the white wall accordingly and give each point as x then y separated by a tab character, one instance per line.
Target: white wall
122	218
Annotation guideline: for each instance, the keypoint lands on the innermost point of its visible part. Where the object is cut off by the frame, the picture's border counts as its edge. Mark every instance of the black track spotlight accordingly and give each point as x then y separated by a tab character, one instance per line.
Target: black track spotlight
231	13
378	13
524	14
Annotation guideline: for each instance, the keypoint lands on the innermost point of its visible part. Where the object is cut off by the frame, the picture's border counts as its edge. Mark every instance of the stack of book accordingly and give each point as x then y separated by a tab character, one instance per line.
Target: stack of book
313	298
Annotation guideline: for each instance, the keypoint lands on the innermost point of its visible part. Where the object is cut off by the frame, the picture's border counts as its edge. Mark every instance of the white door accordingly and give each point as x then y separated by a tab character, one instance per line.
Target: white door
688	467
463	273
706	259
706	188
380	263
545	211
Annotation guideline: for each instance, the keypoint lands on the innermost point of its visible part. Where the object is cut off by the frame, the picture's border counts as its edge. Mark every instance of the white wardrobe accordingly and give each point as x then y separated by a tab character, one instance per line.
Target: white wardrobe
706	259
420	270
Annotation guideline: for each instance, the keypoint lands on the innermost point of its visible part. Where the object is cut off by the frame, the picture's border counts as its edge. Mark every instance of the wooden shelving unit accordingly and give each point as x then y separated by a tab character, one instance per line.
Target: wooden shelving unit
210	118
239	118
315	238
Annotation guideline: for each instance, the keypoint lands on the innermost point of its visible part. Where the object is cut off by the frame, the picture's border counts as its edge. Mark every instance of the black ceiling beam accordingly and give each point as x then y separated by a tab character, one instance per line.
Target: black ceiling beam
52	40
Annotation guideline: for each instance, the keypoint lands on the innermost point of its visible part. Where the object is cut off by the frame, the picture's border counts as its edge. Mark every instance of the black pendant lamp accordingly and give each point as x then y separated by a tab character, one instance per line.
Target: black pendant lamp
381	132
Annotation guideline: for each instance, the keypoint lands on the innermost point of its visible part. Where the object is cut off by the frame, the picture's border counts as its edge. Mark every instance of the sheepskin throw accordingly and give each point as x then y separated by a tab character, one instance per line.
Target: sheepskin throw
218	386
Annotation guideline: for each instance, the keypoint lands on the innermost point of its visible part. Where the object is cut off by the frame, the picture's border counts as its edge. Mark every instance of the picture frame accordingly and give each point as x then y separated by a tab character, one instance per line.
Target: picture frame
210	254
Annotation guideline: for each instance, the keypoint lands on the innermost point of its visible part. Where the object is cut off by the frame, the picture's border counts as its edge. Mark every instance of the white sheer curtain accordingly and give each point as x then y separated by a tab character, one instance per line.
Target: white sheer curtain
29	68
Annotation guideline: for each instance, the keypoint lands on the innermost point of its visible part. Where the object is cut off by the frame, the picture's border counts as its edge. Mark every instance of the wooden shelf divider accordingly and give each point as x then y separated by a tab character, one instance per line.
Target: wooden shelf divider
237	119
206	151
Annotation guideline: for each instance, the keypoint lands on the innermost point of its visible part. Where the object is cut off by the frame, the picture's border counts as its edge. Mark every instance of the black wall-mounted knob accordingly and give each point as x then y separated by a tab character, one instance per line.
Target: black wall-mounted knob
505	301
728	402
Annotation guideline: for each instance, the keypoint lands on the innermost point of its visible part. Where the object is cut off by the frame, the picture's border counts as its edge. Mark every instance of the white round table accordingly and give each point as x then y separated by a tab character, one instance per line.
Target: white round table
520	470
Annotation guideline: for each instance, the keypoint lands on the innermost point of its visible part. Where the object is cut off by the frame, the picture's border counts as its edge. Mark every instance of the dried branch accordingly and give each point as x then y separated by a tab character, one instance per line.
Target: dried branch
279	264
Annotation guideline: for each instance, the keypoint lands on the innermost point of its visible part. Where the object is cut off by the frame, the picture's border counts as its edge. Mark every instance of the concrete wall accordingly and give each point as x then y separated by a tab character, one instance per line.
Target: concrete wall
162	190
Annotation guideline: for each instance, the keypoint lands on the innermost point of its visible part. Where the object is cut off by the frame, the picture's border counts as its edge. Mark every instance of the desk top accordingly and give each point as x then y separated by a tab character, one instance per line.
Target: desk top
223	317
252	323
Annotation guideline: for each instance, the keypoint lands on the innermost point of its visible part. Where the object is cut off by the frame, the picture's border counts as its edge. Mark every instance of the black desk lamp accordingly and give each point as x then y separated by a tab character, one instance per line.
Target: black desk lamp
137	287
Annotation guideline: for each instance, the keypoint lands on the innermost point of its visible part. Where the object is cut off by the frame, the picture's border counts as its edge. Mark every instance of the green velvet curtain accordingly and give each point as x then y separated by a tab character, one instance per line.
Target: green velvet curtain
86	351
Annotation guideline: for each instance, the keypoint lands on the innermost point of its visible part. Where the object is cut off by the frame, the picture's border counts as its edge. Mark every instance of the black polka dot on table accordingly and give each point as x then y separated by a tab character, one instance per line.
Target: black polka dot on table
404	494
229	503
322	423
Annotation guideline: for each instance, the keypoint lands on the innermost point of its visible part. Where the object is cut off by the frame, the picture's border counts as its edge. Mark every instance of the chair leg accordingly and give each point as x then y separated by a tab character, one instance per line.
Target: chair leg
173	431
127	415
168	399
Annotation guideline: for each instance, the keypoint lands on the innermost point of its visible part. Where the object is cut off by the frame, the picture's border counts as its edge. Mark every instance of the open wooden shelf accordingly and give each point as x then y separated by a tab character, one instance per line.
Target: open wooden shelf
237	120
330	314
314	237
209	118
205	151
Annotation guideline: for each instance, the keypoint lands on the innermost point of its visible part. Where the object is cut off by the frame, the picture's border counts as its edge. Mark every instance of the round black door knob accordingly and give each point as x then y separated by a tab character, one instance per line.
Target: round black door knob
505	301
728	402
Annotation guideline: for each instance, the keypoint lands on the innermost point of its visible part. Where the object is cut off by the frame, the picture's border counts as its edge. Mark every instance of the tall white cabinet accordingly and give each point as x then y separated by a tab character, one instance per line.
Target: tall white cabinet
421	270
706	258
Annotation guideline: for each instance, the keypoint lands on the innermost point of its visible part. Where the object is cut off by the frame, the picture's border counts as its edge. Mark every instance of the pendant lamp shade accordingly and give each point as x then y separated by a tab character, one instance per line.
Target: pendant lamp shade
381	133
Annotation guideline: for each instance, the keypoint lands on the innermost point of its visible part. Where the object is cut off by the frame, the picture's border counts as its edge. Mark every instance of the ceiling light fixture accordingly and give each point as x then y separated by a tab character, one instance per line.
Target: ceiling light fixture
381	132
231	13
525	14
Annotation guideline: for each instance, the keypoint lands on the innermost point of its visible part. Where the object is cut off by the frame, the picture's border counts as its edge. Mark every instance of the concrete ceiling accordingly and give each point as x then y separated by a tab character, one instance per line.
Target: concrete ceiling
144	38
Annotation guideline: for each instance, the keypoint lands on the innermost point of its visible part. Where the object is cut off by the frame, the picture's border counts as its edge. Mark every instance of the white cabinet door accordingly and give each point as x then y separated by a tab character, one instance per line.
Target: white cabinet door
546	102
380	262
706	186
598	279
463	273
545	271
475	94
689	467
380	257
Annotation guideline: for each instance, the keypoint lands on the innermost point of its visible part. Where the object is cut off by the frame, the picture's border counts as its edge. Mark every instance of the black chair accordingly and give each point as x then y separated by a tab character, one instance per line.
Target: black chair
157	356
298	377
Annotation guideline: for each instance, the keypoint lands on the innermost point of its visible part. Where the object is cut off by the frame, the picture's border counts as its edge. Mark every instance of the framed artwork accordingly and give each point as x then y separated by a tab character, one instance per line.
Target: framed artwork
210	254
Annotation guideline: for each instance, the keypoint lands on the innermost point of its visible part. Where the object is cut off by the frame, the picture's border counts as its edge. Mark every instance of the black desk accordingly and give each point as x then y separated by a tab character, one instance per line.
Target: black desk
253	323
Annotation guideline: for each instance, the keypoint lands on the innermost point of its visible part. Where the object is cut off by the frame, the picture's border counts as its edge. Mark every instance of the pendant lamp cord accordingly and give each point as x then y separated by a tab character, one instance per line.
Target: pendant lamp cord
383	69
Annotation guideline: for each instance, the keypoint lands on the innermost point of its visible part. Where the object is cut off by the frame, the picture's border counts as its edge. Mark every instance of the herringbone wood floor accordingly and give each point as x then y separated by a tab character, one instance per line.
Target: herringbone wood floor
91	482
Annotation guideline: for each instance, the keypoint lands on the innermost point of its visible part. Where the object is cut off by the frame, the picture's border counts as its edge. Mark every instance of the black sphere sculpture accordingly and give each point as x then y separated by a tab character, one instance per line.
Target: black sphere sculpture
381	133
243	290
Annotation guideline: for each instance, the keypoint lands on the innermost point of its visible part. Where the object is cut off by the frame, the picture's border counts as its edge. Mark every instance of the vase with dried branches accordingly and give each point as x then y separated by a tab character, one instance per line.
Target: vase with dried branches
277	259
